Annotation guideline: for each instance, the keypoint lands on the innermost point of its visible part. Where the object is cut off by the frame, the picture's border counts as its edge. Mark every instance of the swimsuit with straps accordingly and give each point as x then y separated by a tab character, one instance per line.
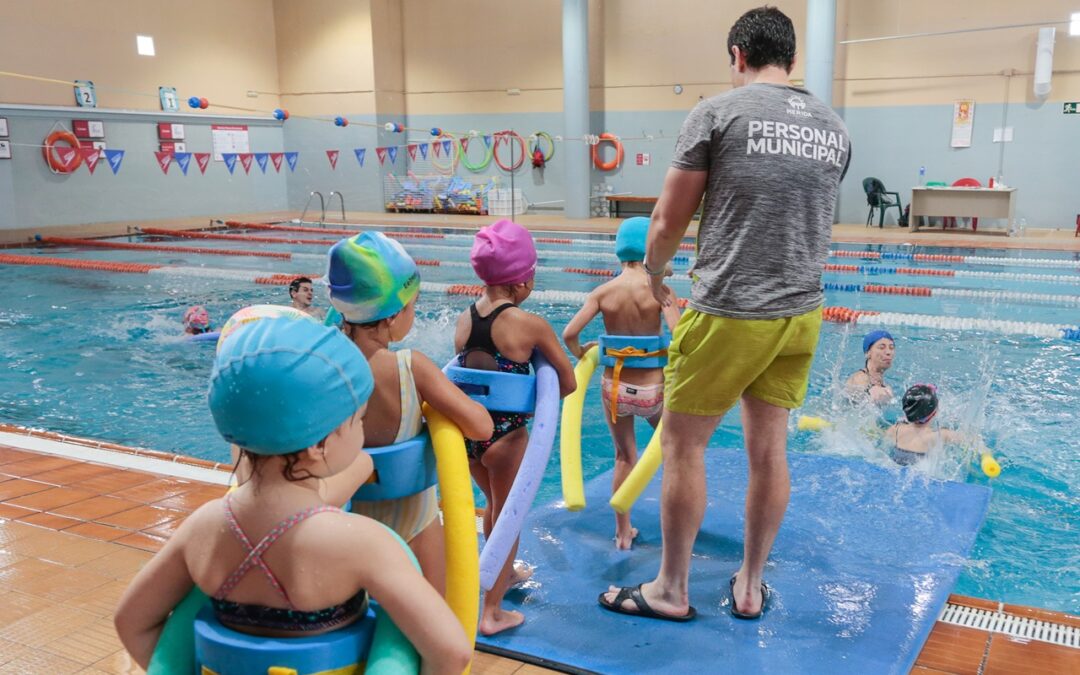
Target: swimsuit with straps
904	457
480	340
277	618
408	516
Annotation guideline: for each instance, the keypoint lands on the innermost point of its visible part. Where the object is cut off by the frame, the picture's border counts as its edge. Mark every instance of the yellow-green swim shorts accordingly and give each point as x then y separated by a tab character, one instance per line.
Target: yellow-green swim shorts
714	360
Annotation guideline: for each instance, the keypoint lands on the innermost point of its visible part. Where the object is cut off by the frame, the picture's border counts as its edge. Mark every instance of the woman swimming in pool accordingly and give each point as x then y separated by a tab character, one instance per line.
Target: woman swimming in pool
868	383
314	565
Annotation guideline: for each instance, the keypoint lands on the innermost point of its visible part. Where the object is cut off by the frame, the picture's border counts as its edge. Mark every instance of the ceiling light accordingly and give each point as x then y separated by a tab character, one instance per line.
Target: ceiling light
145	45
1074	24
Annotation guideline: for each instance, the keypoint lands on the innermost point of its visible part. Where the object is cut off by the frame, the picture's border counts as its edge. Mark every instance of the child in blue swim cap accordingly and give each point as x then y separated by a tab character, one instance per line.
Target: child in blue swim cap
374	284
628	308
314	565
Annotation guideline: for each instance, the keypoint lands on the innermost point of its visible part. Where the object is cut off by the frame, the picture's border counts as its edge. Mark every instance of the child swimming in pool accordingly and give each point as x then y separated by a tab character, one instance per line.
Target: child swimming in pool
912	439
373	285
495	334
196	320
628	308
314	565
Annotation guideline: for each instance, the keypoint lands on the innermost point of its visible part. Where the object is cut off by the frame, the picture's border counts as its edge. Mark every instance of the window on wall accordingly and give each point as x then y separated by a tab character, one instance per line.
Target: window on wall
1074	23
145	45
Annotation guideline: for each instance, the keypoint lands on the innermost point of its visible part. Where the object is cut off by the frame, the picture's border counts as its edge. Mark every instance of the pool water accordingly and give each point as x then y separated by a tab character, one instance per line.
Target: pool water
100	354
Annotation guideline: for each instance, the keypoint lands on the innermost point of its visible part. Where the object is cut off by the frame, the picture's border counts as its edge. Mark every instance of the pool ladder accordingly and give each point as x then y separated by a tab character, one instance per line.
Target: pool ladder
322	205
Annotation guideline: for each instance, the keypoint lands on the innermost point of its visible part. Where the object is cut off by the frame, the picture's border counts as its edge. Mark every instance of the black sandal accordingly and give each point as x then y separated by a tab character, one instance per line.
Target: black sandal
643	608
765	593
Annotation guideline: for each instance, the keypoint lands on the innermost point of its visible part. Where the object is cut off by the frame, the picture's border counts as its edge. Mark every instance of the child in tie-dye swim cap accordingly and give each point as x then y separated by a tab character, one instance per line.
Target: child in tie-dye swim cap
373	285
494	334
196	320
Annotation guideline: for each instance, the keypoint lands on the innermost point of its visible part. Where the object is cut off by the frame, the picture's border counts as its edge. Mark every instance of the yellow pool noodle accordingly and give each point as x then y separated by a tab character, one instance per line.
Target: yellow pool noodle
573	485
990	466
808	423
459	520
640	475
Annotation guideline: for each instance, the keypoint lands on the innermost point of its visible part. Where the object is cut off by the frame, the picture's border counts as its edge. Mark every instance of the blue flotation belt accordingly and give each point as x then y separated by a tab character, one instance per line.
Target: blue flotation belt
630	351
401	469
495	390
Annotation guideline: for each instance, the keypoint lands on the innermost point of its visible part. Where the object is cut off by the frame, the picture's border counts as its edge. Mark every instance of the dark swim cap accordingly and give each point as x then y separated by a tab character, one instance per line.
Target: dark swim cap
920	403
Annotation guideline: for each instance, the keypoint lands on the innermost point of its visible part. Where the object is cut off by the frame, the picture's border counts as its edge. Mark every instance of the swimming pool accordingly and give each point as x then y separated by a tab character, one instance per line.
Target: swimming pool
98	354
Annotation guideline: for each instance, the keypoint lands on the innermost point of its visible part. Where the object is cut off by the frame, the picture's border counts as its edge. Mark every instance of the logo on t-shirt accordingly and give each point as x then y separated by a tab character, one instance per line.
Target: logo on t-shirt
797	106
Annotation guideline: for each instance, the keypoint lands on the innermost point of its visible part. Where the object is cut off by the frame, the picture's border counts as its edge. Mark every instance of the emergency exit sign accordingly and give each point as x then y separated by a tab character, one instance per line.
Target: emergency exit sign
1071	108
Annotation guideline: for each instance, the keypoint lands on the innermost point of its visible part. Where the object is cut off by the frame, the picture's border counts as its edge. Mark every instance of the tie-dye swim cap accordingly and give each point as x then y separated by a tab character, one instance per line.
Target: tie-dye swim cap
197	318
371	277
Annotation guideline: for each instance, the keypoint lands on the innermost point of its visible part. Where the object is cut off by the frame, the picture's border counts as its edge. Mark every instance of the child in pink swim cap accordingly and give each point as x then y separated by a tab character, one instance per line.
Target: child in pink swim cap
196	320
494	334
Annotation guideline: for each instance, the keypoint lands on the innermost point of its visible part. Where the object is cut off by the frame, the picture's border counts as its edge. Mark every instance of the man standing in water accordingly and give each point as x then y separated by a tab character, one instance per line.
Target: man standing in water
768	158
302	296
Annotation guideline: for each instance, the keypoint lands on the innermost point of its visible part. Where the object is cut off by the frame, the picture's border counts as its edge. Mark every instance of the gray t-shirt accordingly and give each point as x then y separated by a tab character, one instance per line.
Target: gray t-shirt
775	156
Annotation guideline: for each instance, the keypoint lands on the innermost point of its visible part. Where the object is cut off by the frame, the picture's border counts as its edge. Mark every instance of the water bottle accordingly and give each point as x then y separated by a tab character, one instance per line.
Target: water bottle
1023	227
922	176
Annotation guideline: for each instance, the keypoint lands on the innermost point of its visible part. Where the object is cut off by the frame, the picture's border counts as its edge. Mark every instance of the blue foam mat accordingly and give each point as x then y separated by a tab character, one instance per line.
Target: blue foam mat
864	562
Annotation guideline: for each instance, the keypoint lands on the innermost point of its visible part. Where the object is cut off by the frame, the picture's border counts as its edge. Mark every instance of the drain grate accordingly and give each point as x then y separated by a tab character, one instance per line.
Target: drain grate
1009	624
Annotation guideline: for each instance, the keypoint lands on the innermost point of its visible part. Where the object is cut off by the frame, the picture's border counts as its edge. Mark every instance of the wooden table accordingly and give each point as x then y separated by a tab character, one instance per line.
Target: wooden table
962	202
615	200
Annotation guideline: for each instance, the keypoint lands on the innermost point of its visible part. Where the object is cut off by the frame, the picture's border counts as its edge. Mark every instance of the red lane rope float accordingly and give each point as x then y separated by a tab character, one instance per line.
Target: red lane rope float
66	241
52	158
935	257
687	247
428	262
613	164
591	271
554	240
843	314
872	255
282	279
510	136
896	290
324	230
465	289
187	234
102	265
925	273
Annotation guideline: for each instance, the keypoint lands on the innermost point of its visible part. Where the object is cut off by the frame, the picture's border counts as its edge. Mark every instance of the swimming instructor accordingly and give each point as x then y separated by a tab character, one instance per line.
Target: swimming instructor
768	158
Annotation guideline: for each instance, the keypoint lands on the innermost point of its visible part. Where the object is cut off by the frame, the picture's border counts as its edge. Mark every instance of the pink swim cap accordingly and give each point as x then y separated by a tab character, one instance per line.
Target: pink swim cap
196	317
503	253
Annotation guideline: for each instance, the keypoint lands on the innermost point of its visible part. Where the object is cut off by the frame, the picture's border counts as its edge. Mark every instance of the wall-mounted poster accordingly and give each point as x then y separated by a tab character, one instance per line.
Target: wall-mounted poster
962	124
3	127
5	149
229	139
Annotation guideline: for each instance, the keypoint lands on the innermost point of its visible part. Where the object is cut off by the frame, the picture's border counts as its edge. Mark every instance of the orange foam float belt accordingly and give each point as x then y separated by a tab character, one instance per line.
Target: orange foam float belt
54	159
72	241
613	164
620	355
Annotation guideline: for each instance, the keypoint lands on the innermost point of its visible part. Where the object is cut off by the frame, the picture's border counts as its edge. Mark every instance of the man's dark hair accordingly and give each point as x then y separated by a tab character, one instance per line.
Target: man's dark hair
294	285
766	36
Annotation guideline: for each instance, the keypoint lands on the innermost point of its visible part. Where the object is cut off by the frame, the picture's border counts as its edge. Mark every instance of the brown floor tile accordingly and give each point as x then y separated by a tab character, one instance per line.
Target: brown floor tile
1014	655
165	530
121	564
102	600
141	517
60	547
489	664
11	530
26	571
69	475
95	507
49	520
119	663
35	661
15	605
13	489
1043	615
142	541
155	491
66	584
13	512
954	649
188	501
46	500
8	558
48	625
39	464
116	480
88	646
98	531
529	669
9	455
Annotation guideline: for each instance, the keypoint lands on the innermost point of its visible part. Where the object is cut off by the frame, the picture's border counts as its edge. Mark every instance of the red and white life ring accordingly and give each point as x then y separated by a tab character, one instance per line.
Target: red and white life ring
53	158
613	164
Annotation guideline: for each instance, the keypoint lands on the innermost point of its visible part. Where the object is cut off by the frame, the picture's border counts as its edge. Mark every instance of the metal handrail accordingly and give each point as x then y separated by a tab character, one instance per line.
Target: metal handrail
341	198
322	204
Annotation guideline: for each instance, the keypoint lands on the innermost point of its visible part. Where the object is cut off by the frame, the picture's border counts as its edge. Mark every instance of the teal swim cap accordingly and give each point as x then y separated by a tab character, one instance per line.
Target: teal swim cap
630	241
281	385
371	277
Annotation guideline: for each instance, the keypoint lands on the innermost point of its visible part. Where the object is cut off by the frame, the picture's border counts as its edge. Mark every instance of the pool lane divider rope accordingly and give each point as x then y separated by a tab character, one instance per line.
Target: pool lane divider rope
834	314
129	246
876	270
928	292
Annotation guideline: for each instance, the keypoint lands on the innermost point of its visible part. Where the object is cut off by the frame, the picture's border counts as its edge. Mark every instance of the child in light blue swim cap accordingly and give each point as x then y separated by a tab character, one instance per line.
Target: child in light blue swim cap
307	577
374	284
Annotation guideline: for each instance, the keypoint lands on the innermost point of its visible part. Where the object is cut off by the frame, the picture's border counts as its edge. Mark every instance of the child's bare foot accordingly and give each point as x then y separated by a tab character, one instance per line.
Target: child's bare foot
624	540
500	620
520	573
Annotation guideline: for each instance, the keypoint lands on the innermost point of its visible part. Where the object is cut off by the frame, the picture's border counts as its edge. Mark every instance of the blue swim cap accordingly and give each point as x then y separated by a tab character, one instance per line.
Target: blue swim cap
371	277
872	337
630	241
281	385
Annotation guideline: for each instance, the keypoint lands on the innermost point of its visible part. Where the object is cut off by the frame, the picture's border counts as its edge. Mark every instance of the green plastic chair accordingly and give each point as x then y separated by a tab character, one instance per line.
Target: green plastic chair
878	198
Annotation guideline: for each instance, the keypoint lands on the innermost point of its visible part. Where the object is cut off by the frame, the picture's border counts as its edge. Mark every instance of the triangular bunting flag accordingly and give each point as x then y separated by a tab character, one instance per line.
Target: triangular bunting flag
183	160
262	158
332	155
114	158
465	144
245	161
90	156
275	158
412	151
423	150
360	153
446	147
230	161
65	154
381	154
203	160
291	158
164	158
437	147
391	152
487	141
